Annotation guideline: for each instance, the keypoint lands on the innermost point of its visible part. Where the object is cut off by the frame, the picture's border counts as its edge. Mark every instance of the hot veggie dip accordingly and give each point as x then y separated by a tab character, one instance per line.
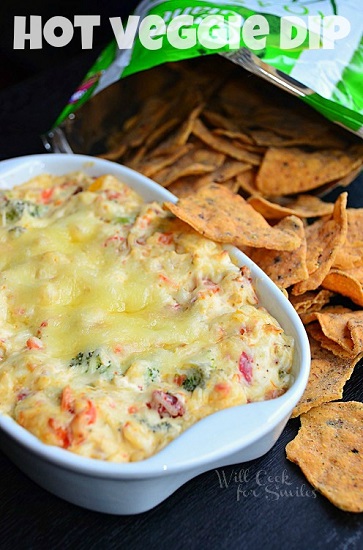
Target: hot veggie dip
120	326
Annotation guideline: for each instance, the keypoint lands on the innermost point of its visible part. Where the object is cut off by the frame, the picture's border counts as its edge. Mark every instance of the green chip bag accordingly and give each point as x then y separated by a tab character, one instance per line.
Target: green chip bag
312	49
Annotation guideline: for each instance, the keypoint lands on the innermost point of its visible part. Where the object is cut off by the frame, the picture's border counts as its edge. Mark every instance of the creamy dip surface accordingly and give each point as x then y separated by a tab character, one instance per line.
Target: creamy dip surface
120	326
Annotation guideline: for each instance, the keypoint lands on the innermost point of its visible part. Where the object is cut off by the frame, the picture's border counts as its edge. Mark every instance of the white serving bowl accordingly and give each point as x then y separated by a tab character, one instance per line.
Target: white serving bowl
230	436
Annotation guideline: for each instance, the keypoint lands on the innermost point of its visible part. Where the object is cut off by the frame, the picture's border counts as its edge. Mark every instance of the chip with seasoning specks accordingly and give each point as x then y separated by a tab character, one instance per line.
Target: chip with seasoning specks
310	316
195	161
324	237
315	331
290	170
305	206
313	300
328	375
221	215
350	255
337	327
284	268
349	283
329	451
223	145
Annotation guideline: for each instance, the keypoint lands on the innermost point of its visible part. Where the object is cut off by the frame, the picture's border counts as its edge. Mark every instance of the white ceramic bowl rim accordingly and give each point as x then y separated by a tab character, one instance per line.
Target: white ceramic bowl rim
236	427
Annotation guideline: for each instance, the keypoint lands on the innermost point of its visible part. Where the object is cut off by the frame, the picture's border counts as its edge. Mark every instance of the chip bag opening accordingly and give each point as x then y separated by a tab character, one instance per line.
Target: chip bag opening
311	50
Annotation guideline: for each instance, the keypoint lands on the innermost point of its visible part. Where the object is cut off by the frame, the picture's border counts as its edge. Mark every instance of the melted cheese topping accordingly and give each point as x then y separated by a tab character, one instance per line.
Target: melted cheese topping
120	326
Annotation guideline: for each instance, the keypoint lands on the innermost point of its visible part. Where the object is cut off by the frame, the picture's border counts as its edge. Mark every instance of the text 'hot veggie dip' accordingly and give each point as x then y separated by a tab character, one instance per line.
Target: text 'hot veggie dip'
120	326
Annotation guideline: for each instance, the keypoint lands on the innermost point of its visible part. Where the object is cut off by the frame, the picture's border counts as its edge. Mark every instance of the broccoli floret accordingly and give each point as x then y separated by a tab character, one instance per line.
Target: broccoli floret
94	362
195	378
153	374
14	209
162	426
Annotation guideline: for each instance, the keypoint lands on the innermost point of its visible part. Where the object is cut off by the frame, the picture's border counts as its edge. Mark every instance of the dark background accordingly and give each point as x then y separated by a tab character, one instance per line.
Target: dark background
36	84
17	65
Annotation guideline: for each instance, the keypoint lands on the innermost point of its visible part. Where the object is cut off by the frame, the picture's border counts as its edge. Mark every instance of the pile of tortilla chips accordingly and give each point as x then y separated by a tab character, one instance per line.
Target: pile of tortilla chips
206	120
248	166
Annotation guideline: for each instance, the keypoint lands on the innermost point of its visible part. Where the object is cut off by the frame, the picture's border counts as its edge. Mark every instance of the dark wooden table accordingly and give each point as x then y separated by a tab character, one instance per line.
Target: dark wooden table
267	503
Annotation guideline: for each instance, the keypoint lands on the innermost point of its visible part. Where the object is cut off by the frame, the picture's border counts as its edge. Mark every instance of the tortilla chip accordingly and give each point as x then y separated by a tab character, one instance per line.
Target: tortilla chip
114	153
239	136
116	143
222	216
230	184
217	120
284	268
192	107
329	451
324	237
311	300
224	175
196	161
223	145
269	138
355	225
246	146
151	165
182	135
305	206
269	210
150	115
350	255
315	331
336	308
310	316
182	187
130	122
355	327
301	124
228	170
337	322
308	206
158	133
348	283
328	375
335	327
285	171
340	182
247	182
346	180
134	156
